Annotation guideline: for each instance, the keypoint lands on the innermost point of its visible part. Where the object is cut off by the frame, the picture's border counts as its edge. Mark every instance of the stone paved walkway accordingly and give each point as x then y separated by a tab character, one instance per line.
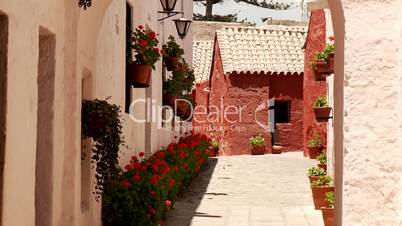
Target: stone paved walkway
269	190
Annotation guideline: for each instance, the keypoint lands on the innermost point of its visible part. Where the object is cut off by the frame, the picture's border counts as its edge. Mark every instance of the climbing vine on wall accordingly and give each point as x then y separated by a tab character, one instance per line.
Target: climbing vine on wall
101	122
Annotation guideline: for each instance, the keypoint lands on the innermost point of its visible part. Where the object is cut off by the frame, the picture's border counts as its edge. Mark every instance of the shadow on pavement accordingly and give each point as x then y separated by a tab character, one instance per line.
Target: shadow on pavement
188	202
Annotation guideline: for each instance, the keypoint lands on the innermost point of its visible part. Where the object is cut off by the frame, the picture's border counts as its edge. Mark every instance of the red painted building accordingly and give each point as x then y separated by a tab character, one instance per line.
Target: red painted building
258	76
249	67
315	42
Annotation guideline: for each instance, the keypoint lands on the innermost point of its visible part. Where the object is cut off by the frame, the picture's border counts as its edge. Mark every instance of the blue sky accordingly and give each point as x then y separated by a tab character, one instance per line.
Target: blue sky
253	13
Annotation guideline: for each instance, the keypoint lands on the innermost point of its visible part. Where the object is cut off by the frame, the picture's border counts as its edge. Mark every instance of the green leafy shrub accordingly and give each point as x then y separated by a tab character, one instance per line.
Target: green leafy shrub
172	49
181	82
315	141
146	189
321	102
257	140
323	181
101	122
322	158
316	171
330	199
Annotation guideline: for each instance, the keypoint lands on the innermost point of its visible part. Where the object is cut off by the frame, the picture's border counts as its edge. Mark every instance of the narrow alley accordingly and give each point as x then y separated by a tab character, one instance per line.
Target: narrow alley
268	190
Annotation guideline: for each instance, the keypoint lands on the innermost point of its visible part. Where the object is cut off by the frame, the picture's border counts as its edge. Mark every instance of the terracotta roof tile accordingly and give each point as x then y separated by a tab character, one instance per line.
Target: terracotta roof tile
268	49
202	59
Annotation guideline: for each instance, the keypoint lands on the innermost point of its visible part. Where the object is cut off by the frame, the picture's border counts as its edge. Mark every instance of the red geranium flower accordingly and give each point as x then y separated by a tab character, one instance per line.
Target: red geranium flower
152	193
184	165
141	154
140	27
171	183
136	178
168	203
155	168
152	35
125	184
152	211
136	165
134	158
155	179
143	43
176	168
128	167
143	168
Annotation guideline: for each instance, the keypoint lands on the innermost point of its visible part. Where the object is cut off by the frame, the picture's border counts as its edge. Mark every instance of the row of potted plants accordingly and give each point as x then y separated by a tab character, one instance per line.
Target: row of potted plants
178	87
144	44
143	192
322	187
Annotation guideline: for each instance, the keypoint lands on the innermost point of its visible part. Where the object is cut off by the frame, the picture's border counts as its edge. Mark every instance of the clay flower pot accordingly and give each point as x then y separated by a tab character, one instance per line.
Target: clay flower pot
171	63
169	100
322	114
321	70
257	150
331	63
183	109
323	166
314	152
212	152
139	75
328	215
277	150
319	196
313	178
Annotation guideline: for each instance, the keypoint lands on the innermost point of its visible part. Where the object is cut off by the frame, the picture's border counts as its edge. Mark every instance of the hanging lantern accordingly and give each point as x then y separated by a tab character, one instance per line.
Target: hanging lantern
168	5
84	3
182	26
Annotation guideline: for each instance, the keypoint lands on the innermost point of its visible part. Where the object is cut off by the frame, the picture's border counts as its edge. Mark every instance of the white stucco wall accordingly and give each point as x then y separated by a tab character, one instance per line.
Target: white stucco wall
87	42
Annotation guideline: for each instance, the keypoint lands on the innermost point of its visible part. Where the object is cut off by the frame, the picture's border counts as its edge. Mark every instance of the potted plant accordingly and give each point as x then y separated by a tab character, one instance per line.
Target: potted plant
314	146
314	173
322	160
147	54
257	145
319	187
328	213
321	109
215	148
320	66
172	52
172	88
185	106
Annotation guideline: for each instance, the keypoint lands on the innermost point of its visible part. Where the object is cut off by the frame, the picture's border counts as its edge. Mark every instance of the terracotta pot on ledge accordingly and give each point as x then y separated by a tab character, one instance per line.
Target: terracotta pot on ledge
328	215
314	152
319	196
169	99
139	75
171	63
257	150
322	114
321	70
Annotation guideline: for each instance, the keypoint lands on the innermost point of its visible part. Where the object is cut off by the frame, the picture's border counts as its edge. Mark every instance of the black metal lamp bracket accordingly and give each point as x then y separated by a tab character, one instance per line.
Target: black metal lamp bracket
169	14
